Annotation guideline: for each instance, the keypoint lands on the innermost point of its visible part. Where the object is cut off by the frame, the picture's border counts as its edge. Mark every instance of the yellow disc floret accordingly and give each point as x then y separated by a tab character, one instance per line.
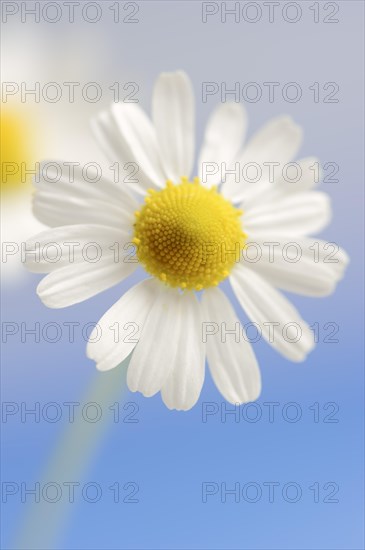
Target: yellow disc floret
188	236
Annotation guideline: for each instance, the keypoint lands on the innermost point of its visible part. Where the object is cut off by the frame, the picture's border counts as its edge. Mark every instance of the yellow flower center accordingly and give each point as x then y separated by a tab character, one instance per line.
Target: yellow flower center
188	236
16	151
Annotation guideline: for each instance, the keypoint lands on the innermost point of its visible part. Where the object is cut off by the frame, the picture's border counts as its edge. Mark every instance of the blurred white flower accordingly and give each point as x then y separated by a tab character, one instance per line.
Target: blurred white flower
17	220
33	128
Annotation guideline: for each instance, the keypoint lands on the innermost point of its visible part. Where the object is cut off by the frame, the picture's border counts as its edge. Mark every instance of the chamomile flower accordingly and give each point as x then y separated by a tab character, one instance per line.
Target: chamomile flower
190	233
17	153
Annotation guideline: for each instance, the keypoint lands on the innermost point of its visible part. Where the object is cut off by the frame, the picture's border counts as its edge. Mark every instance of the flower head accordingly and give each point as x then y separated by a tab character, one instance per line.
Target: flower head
190	235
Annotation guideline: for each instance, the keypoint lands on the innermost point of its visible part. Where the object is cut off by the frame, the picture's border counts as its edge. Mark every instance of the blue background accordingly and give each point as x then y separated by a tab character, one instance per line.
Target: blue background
169	454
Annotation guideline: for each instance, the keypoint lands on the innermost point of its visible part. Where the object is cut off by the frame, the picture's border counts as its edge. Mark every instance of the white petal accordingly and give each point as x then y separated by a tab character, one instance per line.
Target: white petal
73	200
70	244
127	135
108	136
296	214
139	136
118	331
232	361
174	119
297	177
289	334
301	176
183	387
158	346
278	141
223	139
76	282
311	267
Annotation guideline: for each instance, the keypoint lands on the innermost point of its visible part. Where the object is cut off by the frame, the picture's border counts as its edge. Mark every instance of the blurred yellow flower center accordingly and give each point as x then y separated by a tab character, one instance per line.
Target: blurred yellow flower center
16	149
188	236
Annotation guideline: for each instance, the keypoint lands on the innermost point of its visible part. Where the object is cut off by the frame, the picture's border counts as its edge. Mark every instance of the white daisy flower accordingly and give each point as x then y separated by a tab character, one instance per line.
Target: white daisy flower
187	234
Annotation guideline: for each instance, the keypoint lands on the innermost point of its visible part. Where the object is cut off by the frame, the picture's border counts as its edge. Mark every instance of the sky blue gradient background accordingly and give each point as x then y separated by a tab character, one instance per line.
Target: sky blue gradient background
170	454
